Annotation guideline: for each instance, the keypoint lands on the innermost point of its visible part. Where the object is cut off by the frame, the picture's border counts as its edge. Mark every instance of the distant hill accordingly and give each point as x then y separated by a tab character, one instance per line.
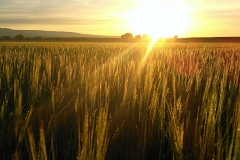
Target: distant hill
32	35
47	34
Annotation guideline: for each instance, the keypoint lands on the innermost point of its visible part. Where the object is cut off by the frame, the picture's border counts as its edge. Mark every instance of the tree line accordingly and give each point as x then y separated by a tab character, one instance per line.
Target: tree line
20	37
129	36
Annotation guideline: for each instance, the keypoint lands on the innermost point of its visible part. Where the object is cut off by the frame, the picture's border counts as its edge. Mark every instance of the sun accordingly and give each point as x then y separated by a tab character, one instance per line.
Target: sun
159	18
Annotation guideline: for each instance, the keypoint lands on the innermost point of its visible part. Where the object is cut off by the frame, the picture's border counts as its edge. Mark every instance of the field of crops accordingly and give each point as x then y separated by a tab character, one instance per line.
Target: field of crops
119	101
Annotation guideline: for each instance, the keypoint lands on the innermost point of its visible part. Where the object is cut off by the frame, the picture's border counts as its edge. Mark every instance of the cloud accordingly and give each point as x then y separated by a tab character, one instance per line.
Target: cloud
56	21
63	12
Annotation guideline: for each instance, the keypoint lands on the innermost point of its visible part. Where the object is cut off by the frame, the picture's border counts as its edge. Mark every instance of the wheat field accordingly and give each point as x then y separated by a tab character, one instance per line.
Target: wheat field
121	101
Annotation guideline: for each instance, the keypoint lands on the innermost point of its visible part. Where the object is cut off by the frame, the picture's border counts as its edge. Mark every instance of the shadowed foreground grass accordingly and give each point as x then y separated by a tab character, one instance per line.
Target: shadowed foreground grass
111	101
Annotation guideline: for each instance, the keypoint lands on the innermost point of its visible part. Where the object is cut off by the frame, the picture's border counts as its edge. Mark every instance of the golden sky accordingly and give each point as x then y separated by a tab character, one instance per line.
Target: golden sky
185	18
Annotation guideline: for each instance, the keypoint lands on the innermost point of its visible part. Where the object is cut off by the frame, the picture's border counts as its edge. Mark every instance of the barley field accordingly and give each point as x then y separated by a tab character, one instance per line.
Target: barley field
113	101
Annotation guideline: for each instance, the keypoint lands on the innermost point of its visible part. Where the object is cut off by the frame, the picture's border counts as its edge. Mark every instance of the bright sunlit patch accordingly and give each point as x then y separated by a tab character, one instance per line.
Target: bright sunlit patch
149	49
159	18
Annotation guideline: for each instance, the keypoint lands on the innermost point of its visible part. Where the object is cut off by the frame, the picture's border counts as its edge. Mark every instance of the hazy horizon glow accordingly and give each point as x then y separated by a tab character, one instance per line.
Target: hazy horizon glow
160	18
112	17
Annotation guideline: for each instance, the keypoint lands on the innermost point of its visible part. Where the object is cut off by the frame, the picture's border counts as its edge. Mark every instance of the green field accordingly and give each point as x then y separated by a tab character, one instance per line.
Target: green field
119	101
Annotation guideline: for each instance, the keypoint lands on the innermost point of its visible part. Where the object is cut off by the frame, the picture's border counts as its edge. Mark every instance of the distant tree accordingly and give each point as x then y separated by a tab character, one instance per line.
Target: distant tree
6	37
145	37
127	36
19	36
123	36
138	37
175	38
37	38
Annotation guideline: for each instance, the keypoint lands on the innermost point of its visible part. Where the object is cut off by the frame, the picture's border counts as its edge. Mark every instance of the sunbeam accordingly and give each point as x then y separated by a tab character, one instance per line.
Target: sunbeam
149	49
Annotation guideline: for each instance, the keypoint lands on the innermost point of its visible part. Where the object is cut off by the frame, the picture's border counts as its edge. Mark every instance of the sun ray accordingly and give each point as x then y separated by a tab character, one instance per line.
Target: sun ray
149	49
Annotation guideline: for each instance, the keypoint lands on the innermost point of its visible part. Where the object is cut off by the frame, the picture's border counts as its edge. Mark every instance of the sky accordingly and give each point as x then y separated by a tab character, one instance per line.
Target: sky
200	18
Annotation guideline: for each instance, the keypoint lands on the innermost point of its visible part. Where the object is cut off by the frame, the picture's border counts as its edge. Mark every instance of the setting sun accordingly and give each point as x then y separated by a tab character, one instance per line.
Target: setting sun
163	18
